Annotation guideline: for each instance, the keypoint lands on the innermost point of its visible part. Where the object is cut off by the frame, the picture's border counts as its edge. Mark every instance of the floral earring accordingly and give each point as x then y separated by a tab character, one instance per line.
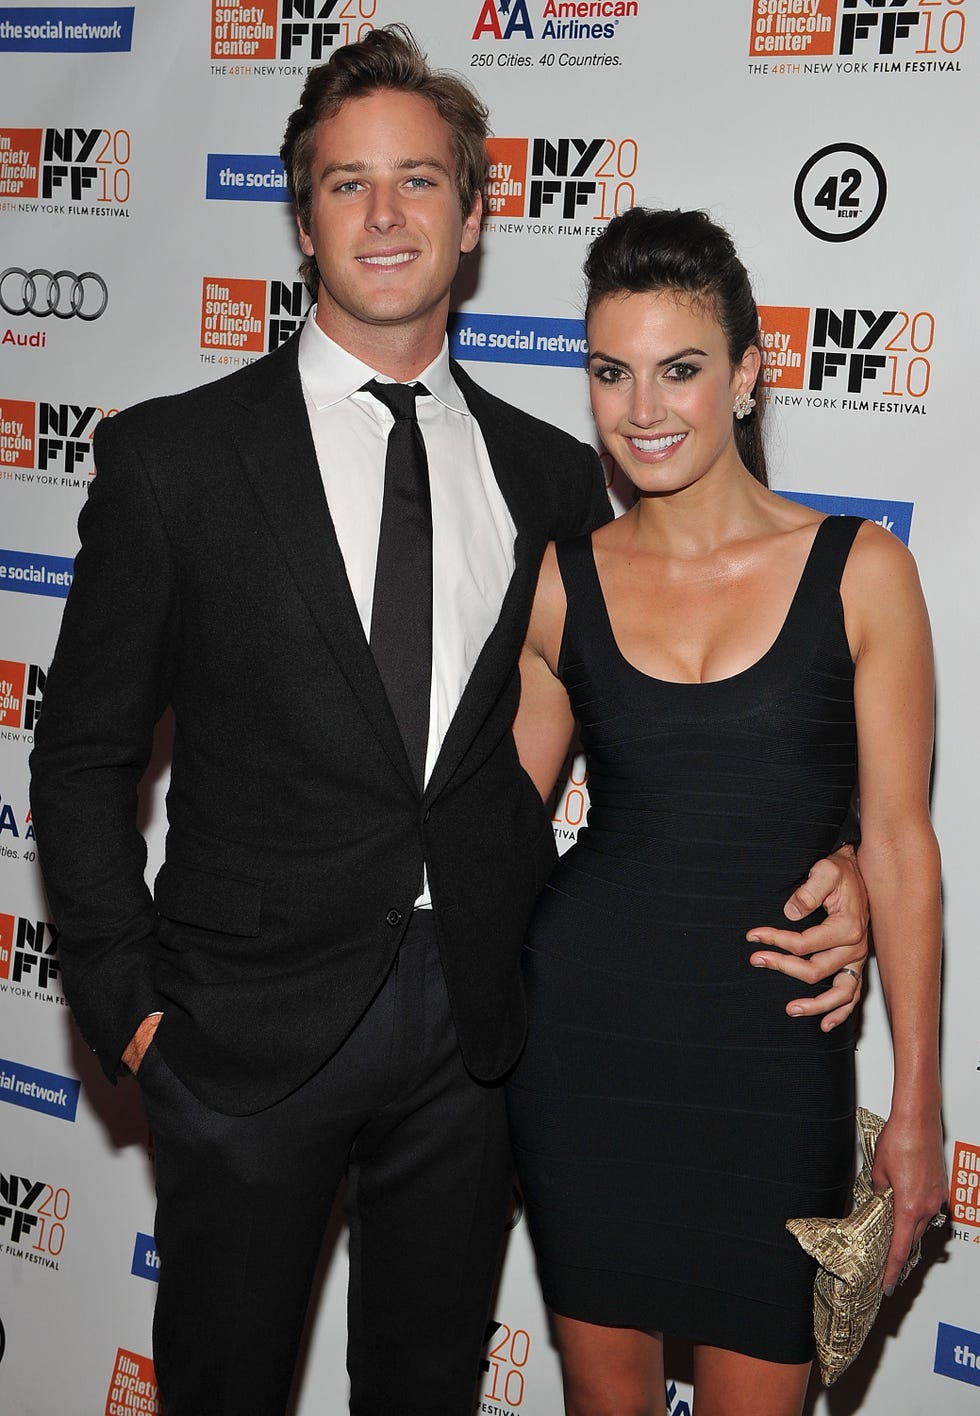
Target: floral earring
743	405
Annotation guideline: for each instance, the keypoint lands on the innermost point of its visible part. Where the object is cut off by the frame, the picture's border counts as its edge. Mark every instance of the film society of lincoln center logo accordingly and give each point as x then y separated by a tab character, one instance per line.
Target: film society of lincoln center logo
964	1200
78	171
249	317
132	1387
286	29
875	36
564	179
860	360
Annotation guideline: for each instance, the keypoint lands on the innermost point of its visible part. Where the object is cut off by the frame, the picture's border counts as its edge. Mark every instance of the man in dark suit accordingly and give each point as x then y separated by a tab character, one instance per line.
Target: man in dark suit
324	982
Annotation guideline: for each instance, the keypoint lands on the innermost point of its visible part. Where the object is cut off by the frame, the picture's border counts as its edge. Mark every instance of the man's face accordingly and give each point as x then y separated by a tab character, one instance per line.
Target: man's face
385	223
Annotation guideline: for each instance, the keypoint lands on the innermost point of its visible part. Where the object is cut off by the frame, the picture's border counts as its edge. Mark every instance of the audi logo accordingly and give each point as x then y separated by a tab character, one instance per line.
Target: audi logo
61	293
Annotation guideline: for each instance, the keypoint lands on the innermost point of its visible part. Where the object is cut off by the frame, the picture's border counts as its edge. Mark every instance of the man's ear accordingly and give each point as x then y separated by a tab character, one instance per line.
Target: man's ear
305	244
471	225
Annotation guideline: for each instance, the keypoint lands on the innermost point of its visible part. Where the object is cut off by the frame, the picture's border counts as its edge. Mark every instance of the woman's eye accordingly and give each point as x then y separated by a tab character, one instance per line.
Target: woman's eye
607	373
680	373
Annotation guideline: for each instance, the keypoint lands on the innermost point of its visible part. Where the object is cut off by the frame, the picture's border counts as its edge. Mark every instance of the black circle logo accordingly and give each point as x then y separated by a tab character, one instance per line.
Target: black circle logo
840	192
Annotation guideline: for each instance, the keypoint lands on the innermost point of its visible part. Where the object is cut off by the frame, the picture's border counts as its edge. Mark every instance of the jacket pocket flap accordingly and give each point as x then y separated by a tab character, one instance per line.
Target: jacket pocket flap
223	903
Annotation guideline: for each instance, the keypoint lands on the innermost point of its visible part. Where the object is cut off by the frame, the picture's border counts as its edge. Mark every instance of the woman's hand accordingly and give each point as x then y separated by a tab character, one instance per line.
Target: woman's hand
909	1158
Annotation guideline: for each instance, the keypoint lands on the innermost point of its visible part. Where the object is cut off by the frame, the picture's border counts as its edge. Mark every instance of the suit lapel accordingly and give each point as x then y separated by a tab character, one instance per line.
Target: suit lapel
274	442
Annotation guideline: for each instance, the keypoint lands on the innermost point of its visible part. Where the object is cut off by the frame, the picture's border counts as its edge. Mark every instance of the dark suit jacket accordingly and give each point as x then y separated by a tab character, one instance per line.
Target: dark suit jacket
210	578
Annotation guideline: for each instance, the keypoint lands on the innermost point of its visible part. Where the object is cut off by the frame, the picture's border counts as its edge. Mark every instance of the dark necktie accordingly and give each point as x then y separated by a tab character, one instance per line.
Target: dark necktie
401	616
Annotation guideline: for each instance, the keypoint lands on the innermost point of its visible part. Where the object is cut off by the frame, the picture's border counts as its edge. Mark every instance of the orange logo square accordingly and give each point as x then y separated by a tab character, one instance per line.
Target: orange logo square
793	36
964	1184
252	35
20	161
507	183
783	330
133	1386
11	695
233	314
6	943
17	433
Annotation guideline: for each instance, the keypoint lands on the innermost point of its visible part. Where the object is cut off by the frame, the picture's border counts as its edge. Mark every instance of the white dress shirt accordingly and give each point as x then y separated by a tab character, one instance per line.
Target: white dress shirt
472	530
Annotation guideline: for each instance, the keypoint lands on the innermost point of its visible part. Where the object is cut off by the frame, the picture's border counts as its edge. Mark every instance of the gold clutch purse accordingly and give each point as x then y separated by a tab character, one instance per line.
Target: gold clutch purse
851	1253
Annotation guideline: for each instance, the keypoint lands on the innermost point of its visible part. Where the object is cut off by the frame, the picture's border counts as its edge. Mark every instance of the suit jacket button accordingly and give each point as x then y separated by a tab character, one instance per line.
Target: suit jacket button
394	918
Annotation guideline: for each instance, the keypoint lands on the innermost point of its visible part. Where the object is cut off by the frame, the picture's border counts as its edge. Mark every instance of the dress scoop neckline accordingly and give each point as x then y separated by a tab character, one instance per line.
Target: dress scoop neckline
782	634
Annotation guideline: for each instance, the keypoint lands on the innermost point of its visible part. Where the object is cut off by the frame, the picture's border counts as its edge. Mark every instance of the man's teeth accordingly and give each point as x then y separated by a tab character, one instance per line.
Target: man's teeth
657	444
400	259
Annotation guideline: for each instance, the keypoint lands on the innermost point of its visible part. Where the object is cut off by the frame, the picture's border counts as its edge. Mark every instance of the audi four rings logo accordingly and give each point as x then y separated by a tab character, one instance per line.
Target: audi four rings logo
61	293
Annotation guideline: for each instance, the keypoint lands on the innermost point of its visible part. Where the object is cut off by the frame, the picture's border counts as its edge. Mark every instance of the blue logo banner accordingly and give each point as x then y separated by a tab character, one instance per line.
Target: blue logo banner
34	574
895	516
146	1260
958	1354
518	339
66	29
245	177
37	1090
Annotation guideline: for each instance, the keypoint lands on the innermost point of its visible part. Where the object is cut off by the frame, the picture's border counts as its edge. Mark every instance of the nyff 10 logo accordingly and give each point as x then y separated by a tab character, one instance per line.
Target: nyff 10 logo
45	167
870	29
21	694
862	360
52	439
287	29
28	954
249	317
585	179
33	1217
506	1353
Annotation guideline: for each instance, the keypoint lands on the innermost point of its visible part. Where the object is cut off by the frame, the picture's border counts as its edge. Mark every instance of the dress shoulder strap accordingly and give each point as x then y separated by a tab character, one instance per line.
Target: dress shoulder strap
576	566
580	580
831	547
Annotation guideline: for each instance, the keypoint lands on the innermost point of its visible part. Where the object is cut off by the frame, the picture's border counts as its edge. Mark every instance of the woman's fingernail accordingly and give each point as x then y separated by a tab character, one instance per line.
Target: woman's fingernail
889	1290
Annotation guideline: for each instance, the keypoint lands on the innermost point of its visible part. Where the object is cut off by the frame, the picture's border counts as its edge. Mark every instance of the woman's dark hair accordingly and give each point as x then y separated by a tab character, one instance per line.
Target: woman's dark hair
644	250
386	58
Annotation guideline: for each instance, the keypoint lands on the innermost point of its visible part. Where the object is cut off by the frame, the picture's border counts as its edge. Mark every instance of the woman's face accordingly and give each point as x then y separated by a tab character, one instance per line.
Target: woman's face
662	388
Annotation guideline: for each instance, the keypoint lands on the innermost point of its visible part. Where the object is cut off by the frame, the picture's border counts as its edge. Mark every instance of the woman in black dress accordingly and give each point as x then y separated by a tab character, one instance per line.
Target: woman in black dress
736	664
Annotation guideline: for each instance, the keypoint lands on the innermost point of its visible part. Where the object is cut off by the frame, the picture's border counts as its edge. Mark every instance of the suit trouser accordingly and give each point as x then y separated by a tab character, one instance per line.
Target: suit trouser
243	1201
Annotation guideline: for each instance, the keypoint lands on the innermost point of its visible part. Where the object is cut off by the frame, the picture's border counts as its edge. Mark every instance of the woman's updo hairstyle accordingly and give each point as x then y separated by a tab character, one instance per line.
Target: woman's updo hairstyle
646	251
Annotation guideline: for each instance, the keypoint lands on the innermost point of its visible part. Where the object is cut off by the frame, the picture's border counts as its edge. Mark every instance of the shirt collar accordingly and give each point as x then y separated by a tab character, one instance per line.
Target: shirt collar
329	374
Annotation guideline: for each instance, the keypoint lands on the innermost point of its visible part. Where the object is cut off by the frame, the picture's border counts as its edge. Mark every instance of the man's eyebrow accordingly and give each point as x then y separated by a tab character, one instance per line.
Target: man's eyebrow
402	164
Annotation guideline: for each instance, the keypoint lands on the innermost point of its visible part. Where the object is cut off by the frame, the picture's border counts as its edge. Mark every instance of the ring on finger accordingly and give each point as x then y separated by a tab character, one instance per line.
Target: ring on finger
856	976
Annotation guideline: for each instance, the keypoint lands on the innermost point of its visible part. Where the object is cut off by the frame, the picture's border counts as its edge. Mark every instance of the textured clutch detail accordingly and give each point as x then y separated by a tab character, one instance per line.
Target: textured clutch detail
851	1253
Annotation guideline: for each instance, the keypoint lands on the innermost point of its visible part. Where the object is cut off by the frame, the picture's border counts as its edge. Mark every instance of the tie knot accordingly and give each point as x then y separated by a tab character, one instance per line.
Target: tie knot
399	399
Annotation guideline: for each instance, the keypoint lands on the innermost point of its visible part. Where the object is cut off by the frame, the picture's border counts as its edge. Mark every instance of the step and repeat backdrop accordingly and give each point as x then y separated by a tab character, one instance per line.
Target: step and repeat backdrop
147	245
